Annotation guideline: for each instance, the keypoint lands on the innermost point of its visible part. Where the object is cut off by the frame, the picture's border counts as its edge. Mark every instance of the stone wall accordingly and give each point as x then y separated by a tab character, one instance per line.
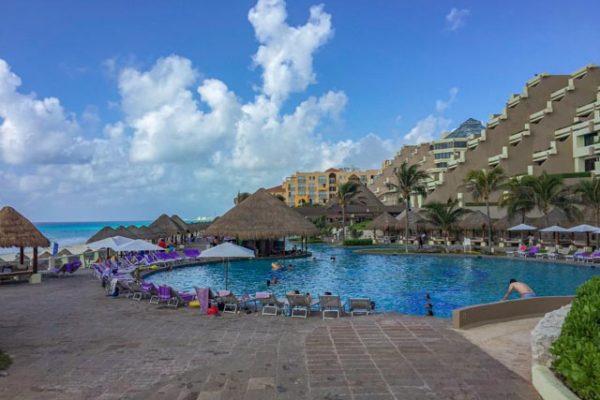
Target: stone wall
545	333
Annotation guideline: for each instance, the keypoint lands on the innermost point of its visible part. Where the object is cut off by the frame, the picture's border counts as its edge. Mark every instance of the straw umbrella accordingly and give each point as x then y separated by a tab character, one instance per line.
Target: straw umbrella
103	233
415	221
384	222
166	225
473	221
122	231
262	216
18	231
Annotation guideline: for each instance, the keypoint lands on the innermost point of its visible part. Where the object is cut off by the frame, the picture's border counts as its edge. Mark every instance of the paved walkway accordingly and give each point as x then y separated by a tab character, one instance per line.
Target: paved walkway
508	342
69	341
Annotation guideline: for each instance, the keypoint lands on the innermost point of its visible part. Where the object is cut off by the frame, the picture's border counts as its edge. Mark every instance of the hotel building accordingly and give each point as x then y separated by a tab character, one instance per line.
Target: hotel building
552	126
318	187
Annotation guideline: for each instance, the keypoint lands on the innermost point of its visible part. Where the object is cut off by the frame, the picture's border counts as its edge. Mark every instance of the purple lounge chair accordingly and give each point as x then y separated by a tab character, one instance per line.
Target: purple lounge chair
532	251
191	254
587	257
164	296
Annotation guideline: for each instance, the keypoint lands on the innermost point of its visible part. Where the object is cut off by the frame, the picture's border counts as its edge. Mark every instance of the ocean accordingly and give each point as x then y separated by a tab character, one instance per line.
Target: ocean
71	233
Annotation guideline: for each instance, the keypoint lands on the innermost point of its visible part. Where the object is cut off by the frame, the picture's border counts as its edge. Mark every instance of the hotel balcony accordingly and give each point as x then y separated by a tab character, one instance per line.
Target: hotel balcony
559	94
513	101
496	118
537	116
494	160
473	141
517	137
541	156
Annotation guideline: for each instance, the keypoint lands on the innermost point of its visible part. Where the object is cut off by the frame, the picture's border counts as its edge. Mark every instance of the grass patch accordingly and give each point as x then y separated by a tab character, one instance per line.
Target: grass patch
358	242
5	360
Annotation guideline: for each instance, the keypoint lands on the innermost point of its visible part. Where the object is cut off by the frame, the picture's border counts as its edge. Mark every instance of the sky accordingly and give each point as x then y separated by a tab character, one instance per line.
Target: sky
115	110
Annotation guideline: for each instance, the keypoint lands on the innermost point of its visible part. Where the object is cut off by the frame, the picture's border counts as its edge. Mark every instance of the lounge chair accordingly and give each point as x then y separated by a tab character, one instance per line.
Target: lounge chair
191	254
182	297
359	306
330	304
164	296
270	304
299	305
56	271
232	303
147	290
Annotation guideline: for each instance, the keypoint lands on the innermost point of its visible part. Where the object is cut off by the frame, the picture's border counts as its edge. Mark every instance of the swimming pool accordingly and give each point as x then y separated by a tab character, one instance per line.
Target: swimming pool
395	283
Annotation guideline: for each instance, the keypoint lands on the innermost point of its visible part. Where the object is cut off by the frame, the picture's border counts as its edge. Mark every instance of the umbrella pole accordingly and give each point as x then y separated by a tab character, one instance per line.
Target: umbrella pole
226	261
22	256
35	260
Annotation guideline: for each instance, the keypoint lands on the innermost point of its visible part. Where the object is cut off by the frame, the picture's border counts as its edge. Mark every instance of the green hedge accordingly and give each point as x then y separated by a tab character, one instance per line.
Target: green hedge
577	350
5	360
567	175
358	242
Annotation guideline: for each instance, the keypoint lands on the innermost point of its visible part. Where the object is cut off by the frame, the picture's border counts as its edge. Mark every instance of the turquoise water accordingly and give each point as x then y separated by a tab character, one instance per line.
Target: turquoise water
395	283
70	233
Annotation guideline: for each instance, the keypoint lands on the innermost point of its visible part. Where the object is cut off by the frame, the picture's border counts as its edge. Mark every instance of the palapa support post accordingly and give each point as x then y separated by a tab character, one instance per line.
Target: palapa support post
21	255
35	260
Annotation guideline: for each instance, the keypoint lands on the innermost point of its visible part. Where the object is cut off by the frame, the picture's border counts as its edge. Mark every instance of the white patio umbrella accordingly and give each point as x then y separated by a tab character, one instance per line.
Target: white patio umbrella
227	251
522	228
555	230
139	245
584	228
111	243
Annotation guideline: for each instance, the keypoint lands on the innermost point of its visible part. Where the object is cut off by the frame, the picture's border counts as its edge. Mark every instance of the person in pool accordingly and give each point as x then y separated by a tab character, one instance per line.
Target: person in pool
520	287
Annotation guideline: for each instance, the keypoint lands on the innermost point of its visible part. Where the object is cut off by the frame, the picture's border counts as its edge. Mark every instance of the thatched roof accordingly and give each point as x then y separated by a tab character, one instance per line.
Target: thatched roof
198	226
103	233
138	232
473	221
183	226
18	231
506	222
64	252
261	216
122	231
415	220
359	202
385	222
556	216
166	225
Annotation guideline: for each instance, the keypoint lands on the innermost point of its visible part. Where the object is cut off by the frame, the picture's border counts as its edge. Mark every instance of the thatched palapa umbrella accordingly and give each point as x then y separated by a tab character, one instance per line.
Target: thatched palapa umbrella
103	233
183	226
18	231
386	223
415	221
166	225
126	233
262	216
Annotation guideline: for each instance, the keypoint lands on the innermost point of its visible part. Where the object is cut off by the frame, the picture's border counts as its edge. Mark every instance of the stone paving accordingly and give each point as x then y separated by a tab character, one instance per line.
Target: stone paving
69	341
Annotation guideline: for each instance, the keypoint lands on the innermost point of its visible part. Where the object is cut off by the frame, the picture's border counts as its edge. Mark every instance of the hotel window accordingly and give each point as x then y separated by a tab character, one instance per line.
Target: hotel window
588	139
589	164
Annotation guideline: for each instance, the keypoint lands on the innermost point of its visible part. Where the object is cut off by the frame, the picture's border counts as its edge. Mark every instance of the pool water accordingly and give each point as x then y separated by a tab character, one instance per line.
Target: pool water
395	283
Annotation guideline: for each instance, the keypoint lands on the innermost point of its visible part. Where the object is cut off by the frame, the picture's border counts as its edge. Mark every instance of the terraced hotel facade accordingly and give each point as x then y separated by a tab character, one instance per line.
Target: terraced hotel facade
552	126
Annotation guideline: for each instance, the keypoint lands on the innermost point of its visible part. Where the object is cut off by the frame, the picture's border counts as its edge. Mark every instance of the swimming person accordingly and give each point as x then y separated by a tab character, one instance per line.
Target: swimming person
522	288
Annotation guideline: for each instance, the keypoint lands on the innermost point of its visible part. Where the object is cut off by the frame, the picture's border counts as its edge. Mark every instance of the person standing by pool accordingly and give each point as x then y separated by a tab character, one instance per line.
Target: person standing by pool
520	287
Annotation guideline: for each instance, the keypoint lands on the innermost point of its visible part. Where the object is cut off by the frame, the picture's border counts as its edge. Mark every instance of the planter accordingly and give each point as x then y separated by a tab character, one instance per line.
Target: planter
549	386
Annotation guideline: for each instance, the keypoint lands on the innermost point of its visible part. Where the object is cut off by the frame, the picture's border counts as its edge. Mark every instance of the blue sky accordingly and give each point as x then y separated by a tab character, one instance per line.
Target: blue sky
127	135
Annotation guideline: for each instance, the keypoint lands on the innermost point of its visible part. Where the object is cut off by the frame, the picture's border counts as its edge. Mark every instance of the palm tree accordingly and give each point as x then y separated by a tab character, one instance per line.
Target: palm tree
444	215
518	198
588	194
481	184
411	181
548	191
240	197
345	192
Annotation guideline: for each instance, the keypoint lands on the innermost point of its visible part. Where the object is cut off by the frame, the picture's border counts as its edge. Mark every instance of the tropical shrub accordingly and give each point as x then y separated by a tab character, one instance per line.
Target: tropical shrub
577	350
5	360
358	242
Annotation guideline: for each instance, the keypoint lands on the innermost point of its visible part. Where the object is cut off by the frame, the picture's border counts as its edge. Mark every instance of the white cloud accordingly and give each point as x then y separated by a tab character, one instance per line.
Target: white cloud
286	52
186	141
165	116
456	18
427	129
35	131
441	105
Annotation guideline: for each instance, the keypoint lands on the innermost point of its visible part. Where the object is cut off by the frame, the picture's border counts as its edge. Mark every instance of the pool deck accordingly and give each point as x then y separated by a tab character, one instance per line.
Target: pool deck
508	342
69	341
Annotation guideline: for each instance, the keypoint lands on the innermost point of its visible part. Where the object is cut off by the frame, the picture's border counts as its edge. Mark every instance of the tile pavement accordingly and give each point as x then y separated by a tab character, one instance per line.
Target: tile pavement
69	341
